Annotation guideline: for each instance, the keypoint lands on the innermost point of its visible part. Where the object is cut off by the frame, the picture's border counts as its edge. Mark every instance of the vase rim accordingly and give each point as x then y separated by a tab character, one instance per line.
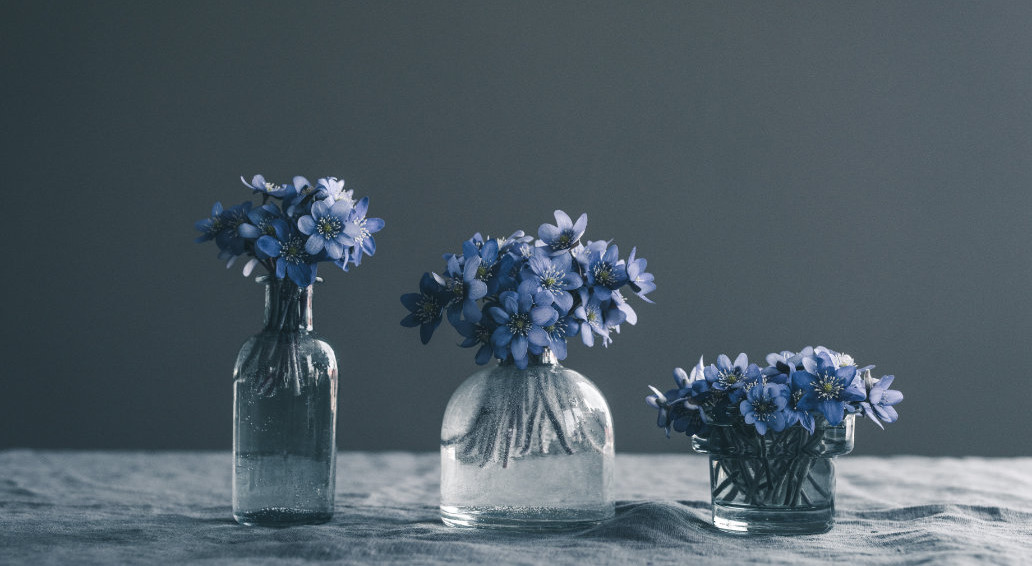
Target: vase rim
820	422
546	358
267	278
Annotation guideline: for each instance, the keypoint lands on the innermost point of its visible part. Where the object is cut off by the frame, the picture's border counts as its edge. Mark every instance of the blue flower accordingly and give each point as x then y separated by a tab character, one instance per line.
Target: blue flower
780	366
361	230
518	243
332	189
259	222
621	304
880	400
222	226
554	276
605	272
425	307
514	252
261	186
796	414
478	334
840	359
641	282
564	235
288	247
520	325
677	408
463	289
764	407
828	387
593	321
564	326
732	378
484	256
211	226
326	228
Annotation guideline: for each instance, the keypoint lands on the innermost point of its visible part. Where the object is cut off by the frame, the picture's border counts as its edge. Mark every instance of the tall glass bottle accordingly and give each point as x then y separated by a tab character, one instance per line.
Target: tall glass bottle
285	413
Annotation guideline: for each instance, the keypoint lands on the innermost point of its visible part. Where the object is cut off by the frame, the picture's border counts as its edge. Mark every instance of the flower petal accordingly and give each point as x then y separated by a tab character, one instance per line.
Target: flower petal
269	246
315	244
537	336
543	316
306	224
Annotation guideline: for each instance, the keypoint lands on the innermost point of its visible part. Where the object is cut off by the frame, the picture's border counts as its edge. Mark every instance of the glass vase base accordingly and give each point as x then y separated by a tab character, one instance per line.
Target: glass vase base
525	518
277	517
764	521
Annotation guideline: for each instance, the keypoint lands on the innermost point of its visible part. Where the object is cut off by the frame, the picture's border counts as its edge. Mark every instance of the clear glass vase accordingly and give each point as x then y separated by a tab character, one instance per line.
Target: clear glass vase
284	417
778	483
528	449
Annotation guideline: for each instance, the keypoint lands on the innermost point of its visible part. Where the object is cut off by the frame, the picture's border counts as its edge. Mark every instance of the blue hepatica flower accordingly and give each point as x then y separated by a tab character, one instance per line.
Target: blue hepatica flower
478	334
326	228
552	275
641	282
223	227
211	226
627	312
425	307
733	379
484	256
880	400
591	314
780	366
677	407
463	289
332	189
520	324
361	230
796	414
263	187
287	246
605	272
564	234
516	240
764	407
827	387
564	326
513	253
259	222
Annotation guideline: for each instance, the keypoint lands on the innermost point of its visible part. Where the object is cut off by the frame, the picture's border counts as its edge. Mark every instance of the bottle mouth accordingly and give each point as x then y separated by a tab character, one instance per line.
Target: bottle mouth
266	278
546	357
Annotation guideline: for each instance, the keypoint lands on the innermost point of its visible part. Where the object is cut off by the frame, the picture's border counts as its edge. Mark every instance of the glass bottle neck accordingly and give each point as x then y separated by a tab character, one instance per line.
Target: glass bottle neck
546	358
287	306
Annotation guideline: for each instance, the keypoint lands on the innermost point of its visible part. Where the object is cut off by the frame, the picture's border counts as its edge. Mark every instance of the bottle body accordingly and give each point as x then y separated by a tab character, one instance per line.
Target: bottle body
285	407
778	483
527	449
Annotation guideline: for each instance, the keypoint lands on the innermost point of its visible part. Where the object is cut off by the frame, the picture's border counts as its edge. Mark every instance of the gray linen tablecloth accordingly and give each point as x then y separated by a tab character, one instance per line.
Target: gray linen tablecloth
174	507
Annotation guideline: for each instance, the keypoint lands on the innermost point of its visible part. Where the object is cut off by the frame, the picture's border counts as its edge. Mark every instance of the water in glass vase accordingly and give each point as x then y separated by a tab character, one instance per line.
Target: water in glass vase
284	434
533	492
527	449
779	483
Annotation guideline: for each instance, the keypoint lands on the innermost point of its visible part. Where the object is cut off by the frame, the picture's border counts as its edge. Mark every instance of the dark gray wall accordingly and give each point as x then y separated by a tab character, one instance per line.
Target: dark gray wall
849	174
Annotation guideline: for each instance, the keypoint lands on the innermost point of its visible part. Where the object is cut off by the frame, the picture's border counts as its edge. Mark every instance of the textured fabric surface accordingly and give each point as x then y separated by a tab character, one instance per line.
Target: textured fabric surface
131	507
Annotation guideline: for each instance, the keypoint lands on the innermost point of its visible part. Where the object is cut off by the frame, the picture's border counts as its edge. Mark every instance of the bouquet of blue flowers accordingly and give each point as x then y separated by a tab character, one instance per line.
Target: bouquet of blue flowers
297	226
793	389
515	297
772	432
